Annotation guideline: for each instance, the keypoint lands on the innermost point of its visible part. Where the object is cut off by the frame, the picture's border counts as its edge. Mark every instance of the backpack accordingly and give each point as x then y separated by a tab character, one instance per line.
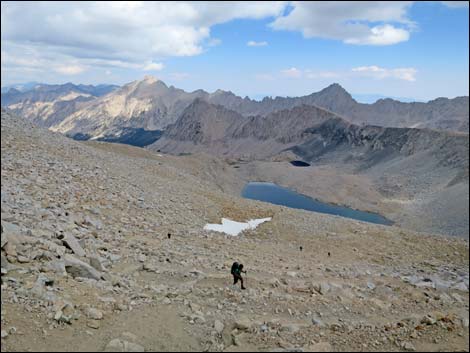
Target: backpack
234	268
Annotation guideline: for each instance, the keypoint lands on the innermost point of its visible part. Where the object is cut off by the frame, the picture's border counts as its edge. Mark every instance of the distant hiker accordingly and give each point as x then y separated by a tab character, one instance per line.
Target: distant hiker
301	248
169	235
329	254
237	270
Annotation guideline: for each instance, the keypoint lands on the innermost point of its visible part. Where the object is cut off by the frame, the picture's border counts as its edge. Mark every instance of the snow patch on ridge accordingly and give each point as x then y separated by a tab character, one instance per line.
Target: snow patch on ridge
234	228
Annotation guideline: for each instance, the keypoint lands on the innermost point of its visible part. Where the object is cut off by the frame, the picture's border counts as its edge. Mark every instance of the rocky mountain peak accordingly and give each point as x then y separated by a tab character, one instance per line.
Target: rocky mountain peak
221	92
335	89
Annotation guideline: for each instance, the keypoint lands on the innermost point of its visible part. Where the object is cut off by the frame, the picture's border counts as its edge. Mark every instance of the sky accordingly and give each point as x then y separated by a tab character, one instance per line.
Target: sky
417	50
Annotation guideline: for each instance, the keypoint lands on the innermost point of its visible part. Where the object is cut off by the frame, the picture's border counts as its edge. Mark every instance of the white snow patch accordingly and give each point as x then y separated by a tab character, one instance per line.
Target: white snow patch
234	228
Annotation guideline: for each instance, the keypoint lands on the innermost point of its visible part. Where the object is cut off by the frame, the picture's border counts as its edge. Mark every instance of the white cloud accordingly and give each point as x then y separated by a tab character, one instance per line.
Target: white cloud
70	69
72	36
125	31
381	35
406	73
350	21
293	72
153	67
252	43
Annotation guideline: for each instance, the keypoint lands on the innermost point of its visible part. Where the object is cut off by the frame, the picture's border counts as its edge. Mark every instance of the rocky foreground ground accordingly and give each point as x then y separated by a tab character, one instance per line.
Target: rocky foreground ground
87	264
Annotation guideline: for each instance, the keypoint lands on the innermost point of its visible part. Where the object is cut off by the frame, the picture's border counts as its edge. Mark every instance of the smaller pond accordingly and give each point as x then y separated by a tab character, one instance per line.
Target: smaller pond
300	164
272	193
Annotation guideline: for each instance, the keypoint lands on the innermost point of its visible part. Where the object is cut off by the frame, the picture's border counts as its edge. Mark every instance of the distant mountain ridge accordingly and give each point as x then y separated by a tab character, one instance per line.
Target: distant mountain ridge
47	93
151	105
309	131
441	113
48	105
22	87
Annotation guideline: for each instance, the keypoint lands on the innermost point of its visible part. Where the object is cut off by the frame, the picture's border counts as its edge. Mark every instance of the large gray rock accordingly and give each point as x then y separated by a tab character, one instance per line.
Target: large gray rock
322	287
9	229
460	286
97	263
4	263
57	266
70	241
78	268
242	324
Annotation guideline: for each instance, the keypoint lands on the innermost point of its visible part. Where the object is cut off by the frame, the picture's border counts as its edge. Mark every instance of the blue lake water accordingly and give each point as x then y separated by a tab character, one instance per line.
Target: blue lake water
278	195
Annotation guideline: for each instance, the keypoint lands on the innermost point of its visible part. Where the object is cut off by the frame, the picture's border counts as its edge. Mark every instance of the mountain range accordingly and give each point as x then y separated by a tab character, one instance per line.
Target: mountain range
107	111
316	135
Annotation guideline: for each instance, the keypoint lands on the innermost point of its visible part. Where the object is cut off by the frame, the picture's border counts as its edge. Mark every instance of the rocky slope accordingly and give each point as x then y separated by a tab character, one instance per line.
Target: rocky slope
87	264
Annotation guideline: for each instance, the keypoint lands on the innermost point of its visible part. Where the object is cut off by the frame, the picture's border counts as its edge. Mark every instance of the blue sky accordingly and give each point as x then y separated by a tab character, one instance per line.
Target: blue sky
418	50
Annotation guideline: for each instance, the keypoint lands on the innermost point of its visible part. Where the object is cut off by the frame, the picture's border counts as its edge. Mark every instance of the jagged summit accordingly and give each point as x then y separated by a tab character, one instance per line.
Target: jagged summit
336	90
335	86
221	92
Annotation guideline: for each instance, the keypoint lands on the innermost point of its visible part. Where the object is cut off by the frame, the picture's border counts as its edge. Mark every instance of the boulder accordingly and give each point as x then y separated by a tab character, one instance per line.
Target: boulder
322	288
408	346
10	249
72	243
3	241
78	268
95	262
57	266
64	312
461	286
94	324
4	263
9	230
242	324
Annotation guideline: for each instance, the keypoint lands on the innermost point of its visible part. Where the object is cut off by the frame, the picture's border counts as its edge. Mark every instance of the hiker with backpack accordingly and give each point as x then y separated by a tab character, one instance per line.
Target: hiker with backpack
237	270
